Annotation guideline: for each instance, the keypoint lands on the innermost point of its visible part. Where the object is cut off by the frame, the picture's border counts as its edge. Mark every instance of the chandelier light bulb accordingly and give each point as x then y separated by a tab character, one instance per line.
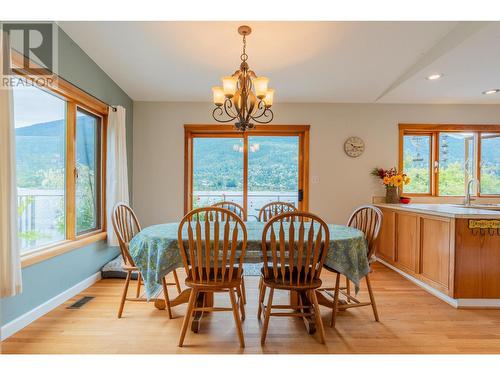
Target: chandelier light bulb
219	96
260	85
268	99
229	85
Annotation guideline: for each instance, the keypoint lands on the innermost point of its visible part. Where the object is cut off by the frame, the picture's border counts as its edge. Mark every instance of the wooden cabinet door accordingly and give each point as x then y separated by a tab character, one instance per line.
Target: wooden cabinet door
477	262
407	240
435	249
385	248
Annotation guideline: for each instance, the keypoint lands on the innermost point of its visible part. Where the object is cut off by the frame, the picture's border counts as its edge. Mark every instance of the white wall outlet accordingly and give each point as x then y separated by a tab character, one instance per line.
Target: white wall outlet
315	179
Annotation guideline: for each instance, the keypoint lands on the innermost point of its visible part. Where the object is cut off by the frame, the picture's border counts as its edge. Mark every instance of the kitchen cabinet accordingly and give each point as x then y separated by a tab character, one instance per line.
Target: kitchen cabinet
437	245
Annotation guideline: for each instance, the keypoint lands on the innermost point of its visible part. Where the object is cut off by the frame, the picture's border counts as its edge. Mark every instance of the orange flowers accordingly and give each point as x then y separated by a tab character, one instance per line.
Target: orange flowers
391	177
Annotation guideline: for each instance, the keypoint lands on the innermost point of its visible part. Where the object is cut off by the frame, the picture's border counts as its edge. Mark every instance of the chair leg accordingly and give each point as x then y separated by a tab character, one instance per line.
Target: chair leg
138	290
236	316
335	300
267	315
177	285
124	294
372	298
317	313
240	303
187	317
165	295
347	286
243	291
262	296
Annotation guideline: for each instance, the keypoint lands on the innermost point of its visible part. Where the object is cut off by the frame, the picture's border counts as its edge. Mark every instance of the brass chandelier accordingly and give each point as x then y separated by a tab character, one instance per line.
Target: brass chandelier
244	96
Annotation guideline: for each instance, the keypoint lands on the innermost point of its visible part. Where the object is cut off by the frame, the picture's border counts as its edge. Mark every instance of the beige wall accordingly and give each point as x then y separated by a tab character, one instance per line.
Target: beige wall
344	183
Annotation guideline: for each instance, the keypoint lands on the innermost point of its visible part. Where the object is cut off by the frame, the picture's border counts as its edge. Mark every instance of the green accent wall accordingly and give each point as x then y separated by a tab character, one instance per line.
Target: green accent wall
45	280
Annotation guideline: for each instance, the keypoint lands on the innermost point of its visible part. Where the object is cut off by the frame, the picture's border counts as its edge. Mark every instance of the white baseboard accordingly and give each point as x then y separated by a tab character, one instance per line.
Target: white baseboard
460	303
431	290
19	323
478	303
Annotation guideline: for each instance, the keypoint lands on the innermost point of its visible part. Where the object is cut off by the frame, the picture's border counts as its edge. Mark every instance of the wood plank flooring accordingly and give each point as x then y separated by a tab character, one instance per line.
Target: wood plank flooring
412	321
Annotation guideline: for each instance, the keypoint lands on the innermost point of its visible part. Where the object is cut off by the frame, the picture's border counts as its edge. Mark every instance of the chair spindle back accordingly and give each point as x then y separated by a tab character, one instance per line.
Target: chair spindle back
126	226
268	211
300	244
367	219
214	237
233	207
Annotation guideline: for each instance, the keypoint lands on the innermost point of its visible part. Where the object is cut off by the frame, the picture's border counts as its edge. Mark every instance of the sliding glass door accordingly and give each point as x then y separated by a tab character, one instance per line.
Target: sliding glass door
251	169
273	171
217	170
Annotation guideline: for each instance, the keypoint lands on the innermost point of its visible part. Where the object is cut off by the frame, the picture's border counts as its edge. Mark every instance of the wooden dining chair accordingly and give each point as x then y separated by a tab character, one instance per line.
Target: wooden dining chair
213	256
240	211
268	211
126	226
367	219
294	247
233	207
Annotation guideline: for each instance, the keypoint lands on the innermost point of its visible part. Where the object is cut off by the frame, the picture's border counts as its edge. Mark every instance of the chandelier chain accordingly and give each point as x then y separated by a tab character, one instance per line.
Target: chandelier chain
244	55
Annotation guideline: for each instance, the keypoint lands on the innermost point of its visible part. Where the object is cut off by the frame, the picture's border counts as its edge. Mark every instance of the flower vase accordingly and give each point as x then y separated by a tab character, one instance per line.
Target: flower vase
391	194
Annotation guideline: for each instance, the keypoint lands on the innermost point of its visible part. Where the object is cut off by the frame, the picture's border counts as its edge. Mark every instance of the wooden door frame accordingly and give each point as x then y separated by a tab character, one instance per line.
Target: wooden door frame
228	131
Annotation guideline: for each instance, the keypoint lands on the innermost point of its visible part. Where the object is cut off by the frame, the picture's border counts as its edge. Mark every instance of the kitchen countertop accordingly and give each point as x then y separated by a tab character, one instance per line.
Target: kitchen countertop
447	210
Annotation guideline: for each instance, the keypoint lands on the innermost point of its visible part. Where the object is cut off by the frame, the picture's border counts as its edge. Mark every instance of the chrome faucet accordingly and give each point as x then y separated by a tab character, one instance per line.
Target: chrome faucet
468	198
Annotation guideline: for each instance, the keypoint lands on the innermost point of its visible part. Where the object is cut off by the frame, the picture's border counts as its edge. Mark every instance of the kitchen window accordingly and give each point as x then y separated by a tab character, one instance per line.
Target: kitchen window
442	159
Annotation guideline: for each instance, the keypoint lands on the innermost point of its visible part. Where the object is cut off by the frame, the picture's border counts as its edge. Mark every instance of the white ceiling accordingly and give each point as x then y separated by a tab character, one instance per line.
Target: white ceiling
343	62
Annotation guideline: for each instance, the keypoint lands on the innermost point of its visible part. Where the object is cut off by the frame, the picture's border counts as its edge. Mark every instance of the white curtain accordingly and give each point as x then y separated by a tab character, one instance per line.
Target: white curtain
116	166
10	260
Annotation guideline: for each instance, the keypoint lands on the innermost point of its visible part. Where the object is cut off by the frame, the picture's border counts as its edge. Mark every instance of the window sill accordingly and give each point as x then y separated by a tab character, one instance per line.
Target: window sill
61	248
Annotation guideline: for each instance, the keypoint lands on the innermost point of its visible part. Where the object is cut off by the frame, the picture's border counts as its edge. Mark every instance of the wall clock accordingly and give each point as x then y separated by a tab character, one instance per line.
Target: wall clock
354	147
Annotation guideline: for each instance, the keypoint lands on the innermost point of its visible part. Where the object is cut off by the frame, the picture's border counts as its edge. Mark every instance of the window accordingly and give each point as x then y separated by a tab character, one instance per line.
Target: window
442	159
253	168
88	147
490	164
417	162
58	167
40	132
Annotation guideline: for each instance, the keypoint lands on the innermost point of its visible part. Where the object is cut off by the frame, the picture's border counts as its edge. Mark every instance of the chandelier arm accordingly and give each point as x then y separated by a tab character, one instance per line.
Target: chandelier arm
260	107
218	115
267	113
230	109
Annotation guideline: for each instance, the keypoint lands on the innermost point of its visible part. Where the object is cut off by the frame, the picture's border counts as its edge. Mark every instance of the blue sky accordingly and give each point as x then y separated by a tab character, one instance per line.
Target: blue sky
32	106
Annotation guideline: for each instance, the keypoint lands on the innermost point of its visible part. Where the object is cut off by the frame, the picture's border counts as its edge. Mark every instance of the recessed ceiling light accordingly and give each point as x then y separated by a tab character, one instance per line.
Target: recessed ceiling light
433	77
490	92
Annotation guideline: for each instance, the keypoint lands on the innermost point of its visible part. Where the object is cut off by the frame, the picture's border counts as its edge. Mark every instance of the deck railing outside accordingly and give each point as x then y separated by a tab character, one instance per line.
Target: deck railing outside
255	199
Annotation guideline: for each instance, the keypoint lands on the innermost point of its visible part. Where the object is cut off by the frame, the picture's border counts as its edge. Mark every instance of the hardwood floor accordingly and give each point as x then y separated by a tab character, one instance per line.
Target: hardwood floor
412	321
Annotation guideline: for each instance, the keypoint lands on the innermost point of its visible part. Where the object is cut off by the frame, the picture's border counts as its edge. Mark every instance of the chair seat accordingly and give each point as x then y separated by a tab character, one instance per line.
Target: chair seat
130	268
289	282
330	269
214	282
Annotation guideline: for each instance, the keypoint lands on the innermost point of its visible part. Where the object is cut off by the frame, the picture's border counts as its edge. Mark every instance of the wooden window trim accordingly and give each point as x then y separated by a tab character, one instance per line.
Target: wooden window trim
44	253
57	84
192	131
75	98
434	130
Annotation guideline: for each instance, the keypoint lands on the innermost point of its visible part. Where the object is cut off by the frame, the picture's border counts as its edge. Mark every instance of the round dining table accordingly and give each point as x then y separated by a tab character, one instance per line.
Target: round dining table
155	251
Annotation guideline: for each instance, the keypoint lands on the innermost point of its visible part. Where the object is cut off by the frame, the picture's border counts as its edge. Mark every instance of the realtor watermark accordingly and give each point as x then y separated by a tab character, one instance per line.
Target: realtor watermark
28	53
